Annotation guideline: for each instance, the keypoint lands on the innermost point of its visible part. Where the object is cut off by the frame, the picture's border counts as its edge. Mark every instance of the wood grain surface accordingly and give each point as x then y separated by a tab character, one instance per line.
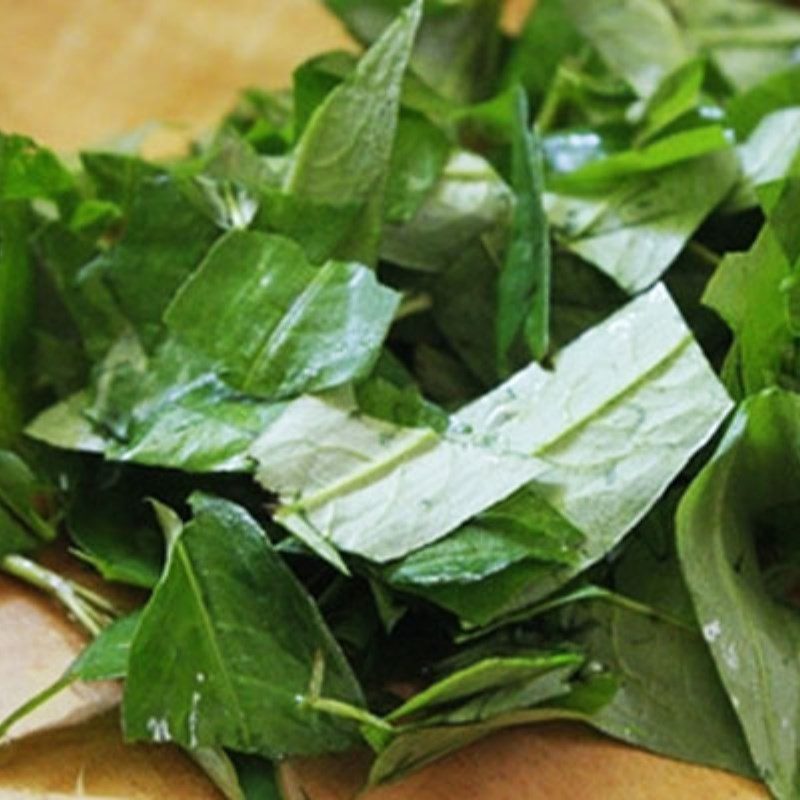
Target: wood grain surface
76	73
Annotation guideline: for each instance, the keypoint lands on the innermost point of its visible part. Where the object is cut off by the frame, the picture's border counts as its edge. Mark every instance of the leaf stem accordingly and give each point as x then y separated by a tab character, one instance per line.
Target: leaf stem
89	609
704	253
344	710
414	303
552	102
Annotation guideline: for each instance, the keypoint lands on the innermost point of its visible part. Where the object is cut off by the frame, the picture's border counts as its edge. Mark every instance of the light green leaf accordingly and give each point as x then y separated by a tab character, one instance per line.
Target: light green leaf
638	39
767	155
754	639
635	232
243	639
678	94
647	401
420	745
747	109
65	425
748	39
747	292
29	172
470	201
489	675
664	152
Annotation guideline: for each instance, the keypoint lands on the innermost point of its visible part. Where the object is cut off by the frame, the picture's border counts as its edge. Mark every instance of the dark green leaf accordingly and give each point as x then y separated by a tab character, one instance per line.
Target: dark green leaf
345	152
225	607
317	328
524	287
669	697
722	525
165	240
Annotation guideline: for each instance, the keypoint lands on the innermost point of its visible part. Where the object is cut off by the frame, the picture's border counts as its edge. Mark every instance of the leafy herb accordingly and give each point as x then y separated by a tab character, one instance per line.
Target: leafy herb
393	343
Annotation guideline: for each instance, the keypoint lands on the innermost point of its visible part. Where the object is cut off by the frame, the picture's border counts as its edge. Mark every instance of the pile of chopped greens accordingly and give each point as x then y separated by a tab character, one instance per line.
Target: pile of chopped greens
469	365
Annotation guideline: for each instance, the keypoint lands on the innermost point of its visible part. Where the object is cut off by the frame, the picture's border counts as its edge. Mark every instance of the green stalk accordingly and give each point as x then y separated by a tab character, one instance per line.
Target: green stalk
88	608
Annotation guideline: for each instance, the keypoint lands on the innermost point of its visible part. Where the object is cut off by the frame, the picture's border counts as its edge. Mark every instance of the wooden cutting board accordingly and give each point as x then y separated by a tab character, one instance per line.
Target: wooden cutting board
80	72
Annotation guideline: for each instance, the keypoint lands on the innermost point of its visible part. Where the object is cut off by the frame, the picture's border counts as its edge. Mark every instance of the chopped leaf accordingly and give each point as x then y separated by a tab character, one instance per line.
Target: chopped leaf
638	39
318	328
723	524
634	233
345	152
232	607
524	288
367	477
165	240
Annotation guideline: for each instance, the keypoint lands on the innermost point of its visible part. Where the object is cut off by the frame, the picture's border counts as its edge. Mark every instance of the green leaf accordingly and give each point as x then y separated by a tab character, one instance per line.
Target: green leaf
647	569
29	172
320	229
747	292
17	308
410	750
165	239
420	154
547	38
466	306
747	109
722	522
26	496
65	425
103	659
638	39
458	47
678	94
520	528
382	491
225	607
524	287
88	300
258	777
470	201
662	153
492	676
119	177
767	155
397	399
26	507
318	328
748	39
345	152
168	410
669	698
179	414
636	231
116	536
